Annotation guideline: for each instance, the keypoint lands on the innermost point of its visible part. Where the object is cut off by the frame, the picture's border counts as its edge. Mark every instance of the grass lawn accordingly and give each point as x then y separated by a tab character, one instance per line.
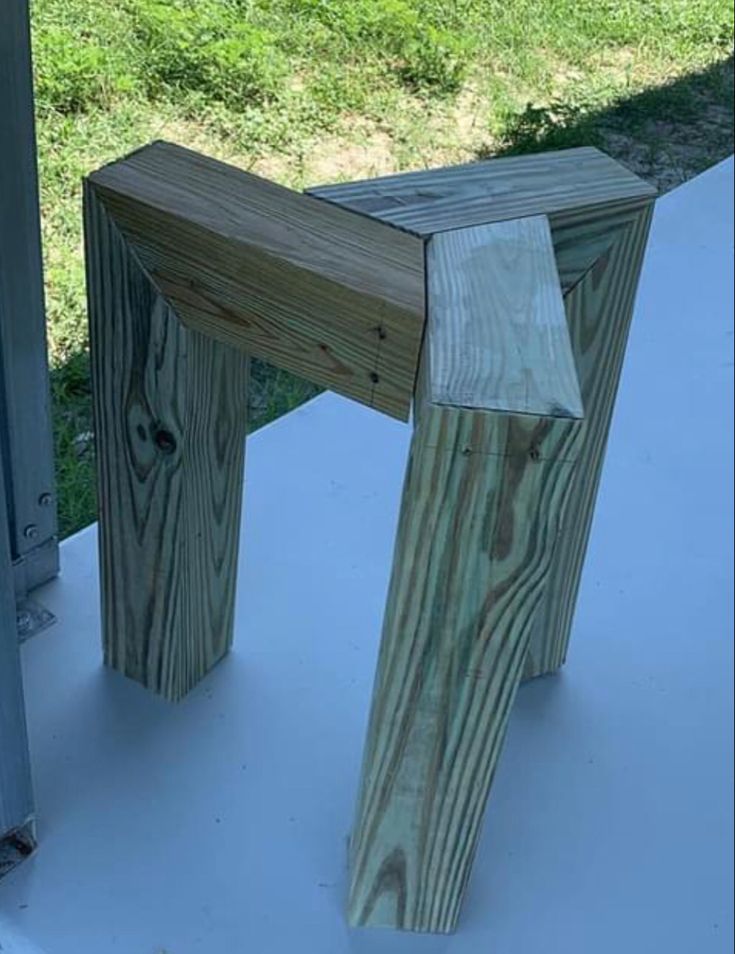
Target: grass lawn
308	91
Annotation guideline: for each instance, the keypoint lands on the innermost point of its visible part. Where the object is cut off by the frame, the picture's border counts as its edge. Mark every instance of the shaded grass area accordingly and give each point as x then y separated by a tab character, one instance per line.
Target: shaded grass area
320	90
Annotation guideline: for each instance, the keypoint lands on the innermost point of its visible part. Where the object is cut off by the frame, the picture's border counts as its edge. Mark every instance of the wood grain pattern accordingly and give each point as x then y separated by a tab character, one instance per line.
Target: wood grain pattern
332	296
481	508
599	311
434	200
585	194
582	236
170	421
499	337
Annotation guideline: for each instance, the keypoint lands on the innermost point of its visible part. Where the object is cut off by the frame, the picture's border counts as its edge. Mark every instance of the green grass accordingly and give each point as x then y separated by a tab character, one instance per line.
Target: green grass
318	90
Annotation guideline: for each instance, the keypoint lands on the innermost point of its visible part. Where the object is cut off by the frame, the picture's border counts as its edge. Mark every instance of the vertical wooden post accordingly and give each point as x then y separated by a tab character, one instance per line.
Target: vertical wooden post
170	422
599	310
496	435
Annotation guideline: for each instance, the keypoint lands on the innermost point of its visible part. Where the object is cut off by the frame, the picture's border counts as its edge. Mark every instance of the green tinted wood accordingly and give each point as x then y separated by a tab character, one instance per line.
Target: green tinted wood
170	421
494	290
333	297
434	200
481	508
599	310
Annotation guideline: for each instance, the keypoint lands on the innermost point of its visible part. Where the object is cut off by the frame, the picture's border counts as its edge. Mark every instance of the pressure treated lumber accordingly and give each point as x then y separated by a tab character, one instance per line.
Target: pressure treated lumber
435	200
599	311
482	507
170	420
334	297
494	291
585	193
599	214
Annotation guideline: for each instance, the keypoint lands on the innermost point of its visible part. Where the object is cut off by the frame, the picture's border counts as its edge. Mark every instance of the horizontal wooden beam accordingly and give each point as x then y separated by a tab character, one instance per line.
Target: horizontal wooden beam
332	296
598	213
585	194
435	200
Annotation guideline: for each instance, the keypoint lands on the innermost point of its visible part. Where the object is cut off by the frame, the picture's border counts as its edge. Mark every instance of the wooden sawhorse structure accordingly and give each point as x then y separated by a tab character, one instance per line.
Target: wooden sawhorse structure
494	299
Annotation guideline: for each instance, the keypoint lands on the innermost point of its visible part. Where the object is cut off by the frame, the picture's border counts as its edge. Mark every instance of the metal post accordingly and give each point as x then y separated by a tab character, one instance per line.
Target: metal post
25	420
16	797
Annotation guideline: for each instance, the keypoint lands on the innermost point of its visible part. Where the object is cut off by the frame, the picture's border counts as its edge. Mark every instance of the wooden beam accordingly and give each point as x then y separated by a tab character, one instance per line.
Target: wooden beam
170	420
436	200
599	311
333	297
482	505
585	193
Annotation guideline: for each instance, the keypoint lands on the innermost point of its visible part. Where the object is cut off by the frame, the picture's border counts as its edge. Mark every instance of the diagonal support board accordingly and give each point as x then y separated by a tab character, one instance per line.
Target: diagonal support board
496	436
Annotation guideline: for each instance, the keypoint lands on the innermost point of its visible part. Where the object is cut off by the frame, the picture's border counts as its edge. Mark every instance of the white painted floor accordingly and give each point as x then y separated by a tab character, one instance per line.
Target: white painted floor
219	825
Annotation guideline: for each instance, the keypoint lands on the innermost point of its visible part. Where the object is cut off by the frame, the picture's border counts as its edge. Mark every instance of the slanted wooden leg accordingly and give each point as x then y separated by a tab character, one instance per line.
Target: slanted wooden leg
482	505
170	422
481	509
599	309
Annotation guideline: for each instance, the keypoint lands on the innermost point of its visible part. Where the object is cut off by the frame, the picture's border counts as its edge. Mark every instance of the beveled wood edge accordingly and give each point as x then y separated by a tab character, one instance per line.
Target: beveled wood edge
644	191
637	202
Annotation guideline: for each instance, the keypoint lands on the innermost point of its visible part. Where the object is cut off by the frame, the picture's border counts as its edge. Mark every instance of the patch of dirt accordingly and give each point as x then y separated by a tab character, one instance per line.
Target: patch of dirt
359	153
664	151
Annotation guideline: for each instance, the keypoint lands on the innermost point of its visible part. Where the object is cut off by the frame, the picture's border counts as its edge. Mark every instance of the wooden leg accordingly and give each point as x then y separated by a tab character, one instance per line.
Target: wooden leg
599	310
170	422
482	503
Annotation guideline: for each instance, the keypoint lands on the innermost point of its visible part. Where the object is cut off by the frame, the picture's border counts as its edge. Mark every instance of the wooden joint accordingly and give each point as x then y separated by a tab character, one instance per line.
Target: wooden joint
331	296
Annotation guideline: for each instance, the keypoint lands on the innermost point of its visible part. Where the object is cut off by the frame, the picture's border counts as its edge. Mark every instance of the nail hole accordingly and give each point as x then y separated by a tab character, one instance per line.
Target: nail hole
534	453
381	333
374	377
165	441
